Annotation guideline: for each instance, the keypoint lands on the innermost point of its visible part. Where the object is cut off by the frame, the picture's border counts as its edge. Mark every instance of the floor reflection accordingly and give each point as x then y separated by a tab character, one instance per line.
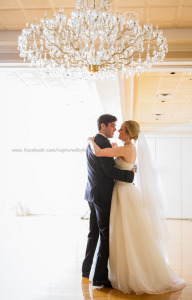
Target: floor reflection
92	293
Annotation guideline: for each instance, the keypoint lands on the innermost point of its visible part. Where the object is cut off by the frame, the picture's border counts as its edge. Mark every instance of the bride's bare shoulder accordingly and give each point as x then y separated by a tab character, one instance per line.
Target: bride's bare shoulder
130	153
130	148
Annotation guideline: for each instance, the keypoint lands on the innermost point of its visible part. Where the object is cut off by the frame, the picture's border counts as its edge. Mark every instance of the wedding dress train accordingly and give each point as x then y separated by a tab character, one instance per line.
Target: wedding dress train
137	258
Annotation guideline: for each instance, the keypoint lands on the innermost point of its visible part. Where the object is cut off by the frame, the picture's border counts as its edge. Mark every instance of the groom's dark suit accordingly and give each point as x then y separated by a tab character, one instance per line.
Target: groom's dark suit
101	175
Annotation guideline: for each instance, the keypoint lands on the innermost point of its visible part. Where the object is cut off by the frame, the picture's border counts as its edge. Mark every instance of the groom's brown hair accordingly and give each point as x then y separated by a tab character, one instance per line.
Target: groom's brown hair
105	119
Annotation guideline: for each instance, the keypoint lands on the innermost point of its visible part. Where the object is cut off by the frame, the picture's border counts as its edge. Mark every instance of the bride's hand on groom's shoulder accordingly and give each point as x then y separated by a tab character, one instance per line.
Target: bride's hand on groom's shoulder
114	145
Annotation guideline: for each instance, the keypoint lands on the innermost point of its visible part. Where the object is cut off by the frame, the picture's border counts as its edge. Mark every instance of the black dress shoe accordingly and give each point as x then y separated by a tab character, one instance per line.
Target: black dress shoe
104	283
85	275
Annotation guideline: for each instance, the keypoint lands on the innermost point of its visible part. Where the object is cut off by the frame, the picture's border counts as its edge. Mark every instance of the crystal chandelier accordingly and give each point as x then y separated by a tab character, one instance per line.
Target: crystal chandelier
92	44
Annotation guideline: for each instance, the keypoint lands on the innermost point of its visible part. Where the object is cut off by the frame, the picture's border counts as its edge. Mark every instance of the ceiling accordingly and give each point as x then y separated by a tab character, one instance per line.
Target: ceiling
141	97
163	97
73	92
167	13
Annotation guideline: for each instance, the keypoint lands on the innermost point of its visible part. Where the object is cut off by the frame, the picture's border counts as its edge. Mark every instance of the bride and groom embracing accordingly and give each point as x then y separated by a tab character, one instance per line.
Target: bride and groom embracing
128	220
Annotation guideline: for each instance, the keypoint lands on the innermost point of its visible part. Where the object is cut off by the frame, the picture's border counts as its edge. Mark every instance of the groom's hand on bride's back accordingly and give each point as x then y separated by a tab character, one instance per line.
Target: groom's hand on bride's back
133	170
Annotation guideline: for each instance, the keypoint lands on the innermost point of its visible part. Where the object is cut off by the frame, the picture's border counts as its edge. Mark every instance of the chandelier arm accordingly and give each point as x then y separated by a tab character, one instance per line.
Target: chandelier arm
59	48
61	39
65	53
75	49
109	65
58	36
137	38
122	33
106	62
126	63
150	40
118	65
118	53
42	52
126	30
59	63
111	31
134	41
54	44
70	29
129	45
31	39
67	27
123	58
77	60
71	64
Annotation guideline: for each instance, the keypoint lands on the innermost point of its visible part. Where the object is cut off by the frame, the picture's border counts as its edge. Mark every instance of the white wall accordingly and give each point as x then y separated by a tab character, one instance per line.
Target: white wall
174	160
186	163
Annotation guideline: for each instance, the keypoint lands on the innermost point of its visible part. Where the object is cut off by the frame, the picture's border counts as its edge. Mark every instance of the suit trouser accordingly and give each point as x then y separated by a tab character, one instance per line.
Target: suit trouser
99	226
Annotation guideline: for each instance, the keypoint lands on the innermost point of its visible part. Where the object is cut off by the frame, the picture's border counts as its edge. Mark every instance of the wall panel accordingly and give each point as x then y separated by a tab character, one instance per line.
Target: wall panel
186	161
168	158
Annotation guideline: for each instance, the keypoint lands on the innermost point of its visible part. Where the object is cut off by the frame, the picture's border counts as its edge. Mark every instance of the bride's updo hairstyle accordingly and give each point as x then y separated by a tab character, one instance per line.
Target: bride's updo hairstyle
133	129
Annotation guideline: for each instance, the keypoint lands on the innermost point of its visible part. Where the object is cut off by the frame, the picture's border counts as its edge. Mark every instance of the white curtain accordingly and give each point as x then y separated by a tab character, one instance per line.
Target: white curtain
34	120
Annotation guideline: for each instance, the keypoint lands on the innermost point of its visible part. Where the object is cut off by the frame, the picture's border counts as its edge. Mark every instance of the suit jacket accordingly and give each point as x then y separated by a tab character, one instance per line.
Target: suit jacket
102	173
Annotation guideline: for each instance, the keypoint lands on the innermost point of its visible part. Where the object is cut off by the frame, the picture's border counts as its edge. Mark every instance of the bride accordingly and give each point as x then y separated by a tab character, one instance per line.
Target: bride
137	258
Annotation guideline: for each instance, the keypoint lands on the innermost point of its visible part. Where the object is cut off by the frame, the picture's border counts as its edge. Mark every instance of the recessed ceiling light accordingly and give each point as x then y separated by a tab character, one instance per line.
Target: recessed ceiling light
158	114
164	95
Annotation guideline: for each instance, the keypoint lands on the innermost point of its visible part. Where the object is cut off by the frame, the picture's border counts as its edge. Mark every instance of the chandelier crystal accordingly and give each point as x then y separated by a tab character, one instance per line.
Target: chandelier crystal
92	44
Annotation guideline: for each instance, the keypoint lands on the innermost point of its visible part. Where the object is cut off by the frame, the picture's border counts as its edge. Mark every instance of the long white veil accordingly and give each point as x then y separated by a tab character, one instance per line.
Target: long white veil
151	188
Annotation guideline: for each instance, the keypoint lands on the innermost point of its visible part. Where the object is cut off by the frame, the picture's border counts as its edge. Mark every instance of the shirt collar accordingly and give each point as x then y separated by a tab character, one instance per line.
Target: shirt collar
103	135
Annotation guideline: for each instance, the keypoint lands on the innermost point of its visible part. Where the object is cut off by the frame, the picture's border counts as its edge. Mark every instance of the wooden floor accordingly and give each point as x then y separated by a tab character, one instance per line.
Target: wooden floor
41	257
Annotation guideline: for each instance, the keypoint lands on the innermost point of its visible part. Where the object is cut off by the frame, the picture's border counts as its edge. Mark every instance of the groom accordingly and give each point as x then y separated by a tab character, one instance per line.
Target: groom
101	175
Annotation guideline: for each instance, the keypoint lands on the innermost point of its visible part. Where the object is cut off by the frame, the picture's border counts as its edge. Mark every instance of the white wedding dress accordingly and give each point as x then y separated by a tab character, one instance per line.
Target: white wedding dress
137	259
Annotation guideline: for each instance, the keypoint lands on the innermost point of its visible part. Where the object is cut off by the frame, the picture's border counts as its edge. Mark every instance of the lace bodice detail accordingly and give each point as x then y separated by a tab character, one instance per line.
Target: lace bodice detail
123	165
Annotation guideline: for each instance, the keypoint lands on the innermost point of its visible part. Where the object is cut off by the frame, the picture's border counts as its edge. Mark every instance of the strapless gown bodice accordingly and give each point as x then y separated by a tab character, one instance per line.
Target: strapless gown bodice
123	165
